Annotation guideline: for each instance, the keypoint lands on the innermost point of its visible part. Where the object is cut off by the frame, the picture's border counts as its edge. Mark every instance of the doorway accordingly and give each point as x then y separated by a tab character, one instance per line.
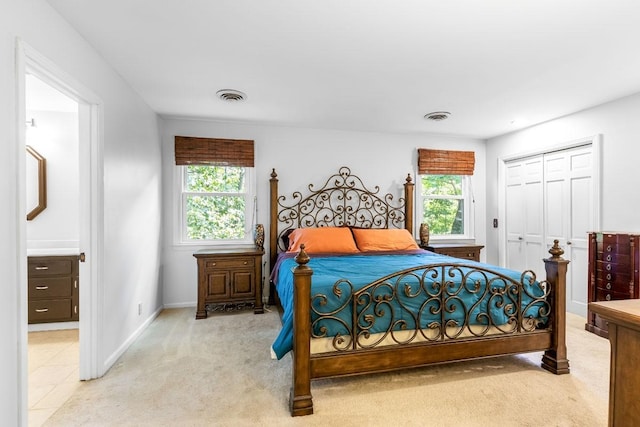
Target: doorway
89	219
52	242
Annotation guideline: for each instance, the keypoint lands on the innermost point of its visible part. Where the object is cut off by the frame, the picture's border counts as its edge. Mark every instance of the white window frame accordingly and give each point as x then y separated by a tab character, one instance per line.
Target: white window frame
469	209
180	226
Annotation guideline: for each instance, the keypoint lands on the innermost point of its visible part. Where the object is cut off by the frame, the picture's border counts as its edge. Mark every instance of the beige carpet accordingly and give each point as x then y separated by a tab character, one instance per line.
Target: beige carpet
217	371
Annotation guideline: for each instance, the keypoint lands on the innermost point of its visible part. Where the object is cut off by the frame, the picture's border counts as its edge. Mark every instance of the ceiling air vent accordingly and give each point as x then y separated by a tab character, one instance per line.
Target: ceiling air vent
231	95
437	116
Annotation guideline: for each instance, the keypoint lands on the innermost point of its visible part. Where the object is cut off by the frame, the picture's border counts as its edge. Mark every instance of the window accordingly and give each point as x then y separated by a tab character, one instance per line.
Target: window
216	185
216	202
444	204
445	192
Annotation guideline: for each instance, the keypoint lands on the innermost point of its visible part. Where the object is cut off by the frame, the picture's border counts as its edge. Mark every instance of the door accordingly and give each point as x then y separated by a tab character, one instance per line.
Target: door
524	200
569	216
550	197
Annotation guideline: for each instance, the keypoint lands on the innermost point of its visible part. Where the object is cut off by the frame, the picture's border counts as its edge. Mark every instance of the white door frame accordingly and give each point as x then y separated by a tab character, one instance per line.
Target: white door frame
596	143
90	115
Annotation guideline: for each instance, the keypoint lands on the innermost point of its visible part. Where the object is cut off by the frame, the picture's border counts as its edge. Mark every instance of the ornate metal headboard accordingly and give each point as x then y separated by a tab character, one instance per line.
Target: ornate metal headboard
343	200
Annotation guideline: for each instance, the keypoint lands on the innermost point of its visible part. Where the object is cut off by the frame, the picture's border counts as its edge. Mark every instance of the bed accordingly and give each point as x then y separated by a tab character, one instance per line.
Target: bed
378	302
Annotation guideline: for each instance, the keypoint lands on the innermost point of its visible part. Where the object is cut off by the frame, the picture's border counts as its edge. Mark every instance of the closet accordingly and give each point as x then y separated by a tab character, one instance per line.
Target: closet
551	196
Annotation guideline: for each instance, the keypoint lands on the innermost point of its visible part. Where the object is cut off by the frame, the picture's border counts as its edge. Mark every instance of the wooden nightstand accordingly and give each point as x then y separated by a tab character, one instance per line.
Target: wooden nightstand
229	279
458	250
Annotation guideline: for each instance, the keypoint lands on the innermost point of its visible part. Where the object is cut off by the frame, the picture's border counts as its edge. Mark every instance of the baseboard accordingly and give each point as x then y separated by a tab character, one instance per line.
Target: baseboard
53	326
111	360
181	305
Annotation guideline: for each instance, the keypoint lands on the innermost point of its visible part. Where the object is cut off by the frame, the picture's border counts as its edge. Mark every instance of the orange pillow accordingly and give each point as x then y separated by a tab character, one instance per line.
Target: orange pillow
383	239
322	240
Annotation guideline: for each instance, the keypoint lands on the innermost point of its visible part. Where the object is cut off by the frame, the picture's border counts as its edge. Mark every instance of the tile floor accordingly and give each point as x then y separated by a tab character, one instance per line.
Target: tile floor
53	371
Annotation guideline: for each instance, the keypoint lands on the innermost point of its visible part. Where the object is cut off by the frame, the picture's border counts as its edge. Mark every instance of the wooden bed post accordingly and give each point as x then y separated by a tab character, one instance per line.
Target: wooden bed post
273	219
300	400
408	204
555	359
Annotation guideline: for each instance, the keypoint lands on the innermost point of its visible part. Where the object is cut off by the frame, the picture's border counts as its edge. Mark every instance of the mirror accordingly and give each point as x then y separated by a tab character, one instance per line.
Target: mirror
36	188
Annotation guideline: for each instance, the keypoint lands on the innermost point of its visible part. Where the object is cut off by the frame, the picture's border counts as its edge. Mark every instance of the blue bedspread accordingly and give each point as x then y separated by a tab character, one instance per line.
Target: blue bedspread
360	270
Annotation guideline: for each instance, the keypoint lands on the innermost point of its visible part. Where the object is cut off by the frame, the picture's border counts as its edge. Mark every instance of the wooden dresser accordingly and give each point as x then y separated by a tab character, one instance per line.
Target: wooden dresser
458	250
53	288
623	319
613	272
229	279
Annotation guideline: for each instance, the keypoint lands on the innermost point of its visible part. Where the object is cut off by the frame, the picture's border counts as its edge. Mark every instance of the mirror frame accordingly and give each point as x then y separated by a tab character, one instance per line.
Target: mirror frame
42	183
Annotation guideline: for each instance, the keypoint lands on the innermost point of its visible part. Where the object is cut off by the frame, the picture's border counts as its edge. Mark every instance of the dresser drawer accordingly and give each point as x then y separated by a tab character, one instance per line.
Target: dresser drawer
604	267
616	257
615	287
621	248
605	295
49	267
47	287
615	238
53	310
237	262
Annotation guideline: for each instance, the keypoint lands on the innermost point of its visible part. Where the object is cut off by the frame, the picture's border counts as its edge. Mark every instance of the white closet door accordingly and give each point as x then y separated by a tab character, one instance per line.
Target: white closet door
523	222
569	215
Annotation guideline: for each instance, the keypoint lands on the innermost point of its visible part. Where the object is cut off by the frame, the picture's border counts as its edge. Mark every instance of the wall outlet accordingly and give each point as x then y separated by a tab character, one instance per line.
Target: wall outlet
139	308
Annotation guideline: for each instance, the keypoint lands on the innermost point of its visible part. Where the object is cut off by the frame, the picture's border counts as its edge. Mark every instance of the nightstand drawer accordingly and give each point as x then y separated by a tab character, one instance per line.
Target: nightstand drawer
237	262
463	251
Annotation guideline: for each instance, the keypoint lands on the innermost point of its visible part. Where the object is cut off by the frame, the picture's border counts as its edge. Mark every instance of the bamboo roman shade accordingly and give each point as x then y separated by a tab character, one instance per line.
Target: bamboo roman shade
213	151
445	162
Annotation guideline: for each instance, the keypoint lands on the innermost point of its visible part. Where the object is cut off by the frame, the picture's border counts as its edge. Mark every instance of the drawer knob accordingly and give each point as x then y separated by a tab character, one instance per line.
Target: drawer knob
608	276
608	267
213	263
42	267
42	288
608	257
608	285
41	310
608	297
245	263
609	248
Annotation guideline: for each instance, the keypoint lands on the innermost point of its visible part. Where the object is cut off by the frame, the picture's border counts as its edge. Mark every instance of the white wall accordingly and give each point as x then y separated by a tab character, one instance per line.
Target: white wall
619	126
132	193
55	137
302	156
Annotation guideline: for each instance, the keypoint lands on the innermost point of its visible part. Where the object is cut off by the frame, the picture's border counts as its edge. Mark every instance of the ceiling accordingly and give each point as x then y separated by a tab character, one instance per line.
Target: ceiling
496	65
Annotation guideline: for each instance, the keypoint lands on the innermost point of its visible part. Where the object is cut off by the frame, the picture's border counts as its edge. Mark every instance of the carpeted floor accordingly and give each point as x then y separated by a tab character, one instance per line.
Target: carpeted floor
218	372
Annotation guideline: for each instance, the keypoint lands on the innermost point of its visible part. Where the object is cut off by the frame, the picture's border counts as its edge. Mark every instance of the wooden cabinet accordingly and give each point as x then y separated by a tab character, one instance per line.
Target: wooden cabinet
458	250
613	272
53	288
228	280
623	319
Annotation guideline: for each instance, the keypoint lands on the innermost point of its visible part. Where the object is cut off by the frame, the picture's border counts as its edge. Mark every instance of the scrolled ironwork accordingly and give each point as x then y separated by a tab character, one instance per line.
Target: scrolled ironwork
430	303
343	201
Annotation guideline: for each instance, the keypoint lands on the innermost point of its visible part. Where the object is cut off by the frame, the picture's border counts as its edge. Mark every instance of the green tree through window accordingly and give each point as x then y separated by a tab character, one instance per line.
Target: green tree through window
215	202
443	204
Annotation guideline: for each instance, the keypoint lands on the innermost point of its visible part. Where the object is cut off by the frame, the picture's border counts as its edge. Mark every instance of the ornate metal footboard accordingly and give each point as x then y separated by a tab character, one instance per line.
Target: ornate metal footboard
429	303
